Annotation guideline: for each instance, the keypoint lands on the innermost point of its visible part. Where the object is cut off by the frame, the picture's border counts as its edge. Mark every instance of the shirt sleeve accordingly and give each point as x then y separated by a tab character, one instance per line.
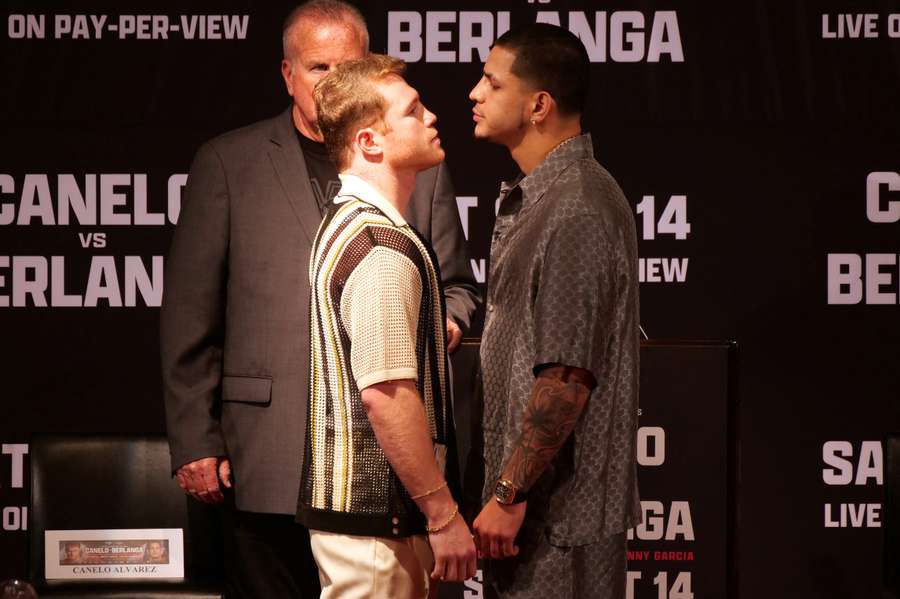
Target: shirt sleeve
575	296
380	310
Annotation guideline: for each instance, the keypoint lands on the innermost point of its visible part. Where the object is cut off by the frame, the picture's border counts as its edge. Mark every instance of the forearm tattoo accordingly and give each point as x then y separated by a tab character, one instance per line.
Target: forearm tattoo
557	401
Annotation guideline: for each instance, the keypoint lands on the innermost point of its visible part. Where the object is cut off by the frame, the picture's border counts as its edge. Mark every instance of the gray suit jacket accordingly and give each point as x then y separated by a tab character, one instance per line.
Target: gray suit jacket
234	324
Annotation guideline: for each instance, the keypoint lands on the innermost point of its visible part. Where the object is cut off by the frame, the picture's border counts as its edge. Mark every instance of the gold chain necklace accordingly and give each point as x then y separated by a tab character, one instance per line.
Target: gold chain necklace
562	143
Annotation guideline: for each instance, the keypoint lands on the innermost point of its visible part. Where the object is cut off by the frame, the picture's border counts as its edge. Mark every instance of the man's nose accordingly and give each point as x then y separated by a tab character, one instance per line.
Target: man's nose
475	95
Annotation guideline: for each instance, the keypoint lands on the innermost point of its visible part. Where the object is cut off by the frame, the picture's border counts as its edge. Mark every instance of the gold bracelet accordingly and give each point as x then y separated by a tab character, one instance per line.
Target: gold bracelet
431	492
446	522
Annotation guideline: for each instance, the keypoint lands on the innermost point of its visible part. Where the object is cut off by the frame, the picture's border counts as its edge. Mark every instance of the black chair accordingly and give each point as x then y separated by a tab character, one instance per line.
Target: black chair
81	482
892	516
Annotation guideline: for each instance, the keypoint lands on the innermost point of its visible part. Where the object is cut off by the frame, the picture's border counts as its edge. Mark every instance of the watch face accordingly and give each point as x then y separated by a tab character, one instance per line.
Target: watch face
504	492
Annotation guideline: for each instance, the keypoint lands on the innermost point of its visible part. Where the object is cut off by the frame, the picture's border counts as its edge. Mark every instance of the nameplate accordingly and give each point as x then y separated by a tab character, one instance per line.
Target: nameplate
113	554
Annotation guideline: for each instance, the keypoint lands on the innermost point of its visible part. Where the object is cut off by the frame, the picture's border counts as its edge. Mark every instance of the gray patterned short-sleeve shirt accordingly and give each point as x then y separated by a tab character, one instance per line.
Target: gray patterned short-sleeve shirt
563	289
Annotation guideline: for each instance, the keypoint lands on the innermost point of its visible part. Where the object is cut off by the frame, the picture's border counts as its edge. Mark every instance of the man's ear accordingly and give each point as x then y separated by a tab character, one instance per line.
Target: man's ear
542	104
367	141
286	72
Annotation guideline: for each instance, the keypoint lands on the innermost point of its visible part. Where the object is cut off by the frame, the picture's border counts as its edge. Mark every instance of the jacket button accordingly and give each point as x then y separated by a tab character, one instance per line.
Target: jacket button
395	520
395	531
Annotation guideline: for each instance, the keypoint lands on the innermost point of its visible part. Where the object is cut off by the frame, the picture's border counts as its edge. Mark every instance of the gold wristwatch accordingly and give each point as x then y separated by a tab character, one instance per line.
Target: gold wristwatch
506	493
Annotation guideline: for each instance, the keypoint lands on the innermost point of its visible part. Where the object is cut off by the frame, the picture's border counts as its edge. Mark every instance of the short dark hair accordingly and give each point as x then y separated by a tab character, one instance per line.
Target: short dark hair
551	59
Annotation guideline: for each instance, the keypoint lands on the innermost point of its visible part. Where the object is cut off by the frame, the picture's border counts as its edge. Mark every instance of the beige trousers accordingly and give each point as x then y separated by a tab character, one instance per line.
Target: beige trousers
354	567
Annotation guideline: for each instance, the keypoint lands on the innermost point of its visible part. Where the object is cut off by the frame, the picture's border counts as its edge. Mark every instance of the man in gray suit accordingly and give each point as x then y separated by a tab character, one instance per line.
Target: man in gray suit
235	315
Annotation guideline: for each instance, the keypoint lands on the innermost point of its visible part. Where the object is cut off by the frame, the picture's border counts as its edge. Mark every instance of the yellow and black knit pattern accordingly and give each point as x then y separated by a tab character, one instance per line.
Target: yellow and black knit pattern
377	314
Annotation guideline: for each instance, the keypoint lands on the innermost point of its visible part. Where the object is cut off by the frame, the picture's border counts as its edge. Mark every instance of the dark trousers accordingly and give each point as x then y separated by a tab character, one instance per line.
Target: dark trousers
267	556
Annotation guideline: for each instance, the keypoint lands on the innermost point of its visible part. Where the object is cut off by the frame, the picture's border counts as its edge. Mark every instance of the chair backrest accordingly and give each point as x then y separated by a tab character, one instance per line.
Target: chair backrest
92	482
891	520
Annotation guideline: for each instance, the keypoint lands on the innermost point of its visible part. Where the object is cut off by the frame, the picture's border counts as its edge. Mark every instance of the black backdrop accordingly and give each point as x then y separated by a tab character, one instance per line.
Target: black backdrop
757	114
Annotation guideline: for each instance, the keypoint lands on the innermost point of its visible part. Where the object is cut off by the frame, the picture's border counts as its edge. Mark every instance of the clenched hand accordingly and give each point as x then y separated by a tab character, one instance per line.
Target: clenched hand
200	478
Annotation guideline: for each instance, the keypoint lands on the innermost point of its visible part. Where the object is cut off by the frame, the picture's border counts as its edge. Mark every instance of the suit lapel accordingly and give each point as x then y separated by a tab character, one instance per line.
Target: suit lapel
290	167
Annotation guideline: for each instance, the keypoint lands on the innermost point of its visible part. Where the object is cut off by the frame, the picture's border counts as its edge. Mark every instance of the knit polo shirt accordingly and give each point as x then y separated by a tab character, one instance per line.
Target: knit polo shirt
377	314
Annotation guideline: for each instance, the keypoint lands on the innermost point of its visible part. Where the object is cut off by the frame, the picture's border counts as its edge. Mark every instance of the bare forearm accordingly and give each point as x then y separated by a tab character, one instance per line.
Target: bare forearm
398	420
557	401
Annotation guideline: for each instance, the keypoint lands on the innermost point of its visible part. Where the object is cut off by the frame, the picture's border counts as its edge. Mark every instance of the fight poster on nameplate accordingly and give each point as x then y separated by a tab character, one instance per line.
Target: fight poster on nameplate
111	554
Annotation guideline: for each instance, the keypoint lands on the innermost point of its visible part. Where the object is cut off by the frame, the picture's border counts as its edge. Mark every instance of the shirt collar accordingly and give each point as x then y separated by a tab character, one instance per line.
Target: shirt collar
536	183
353	186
